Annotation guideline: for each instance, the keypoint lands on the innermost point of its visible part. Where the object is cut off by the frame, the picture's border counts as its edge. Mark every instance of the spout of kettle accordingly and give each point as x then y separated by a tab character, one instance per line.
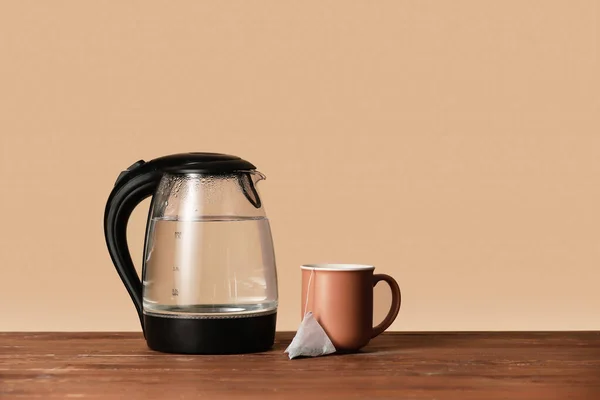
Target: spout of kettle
257	177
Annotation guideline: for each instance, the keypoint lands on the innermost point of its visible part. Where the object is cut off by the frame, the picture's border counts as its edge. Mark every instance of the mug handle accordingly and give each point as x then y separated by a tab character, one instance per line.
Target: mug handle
396	301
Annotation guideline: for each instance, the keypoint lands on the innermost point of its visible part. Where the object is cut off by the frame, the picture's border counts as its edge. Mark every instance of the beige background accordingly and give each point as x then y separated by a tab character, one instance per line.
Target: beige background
454	145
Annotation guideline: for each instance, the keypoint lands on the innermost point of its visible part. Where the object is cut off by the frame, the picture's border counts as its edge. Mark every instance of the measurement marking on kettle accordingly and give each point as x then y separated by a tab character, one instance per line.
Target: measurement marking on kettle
174	292
176	269
177	235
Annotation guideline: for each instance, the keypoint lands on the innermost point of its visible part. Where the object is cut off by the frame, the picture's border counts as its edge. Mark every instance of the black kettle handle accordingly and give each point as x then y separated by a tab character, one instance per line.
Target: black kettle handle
132	186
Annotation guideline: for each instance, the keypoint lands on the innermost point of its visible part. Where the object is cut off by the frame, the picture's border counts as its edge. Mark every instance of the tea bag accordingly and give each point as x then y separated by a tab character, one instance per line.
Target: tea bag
311	340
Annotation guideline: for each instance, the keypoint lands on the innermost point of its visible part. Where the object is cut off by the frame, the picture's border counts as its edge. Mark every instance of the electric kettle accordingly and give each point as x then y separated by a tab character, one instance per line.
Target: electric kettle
209	282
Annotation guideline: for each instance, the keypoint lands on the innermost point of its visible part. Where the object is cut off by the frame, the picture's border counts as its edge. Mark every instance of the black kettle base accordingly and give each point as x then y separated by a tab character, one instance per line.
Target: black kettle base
211	335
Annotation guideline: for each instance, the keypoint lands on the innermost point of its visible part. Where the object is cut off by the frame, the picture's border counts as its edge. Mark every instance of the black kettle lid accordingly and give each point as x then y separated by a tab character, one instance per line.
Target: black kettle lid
207	163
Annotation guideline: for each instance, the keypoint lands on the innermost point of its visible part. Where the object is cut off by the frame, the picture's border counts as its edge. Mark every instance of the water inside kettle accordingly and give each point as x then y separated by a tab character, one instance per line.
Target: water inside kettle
208	267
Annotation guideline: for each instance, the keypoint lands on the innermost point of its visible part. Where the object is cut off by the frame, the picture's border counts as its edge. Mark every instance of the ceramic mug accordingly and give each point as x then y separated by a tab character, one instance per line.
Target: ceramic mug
340	297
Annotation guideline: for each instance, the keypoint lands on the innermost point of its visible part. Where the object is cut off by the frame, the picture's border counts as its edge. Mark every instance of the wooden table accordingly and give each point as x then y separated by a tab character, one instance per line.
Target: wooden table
464	366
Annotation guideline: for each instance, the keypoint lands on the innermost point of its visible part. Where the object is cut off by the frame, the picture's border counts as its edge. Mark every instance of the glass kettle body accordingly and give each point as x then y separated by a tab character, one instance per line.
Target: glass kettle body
209	280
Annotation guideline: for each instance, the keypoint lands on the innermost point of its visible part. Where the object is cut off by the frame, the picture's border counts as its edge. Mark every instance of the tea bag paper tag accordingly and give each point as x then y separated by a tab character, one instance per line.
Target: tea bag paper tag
311	340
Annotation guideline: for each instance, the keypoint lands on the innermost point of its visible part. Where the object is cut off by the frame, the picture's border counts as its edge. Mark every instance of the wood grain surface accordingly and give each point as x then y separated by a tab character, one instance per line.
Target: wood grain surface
559	365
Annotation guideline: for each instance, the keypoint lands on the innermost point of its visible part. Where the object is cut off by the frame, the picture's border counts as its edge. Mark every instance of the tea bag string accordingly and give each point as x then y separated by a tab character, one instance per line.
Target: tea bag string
312	271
